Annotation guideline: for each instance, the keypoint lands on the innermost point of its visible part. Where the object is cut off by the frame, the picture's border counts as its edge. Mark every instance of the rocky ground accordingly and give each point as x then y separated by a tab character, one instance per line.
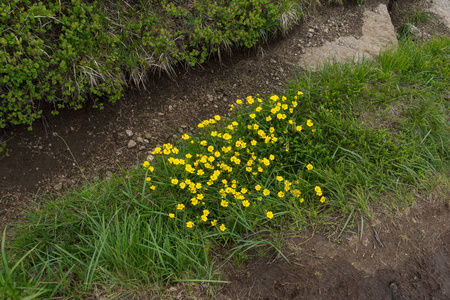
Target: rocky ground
411	249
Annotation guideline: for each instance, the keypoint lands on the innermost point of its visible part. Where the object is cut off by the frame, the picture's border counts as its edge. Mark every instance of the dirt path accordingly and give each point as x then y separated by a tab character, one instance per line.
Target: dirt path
61	151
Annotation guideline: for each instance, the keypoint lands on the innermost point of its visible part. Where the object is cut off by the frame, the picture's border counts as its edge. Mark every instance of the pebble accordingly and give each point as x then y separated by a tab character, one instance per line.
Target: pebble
131	144
150	158
141	148
58	186
109	175
147	135
129	132
139	139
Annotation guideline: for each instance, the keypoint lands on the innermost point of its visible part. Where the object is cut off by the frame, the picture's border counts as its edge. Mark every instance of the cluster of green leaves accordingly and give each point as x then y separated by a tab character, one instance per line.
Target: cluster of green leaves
52	54
58	54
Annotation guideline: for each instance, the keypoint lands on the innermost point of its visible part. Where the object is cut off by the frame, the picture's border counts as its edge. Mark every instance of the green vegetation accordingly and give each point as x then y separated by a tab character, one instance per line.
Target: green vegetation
61	53
338	142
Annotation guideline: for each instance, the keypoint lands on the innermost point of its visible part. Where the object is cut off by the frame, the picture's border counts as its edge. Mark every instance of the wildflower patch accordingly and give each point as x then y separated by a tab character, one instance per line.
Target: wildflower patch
235	168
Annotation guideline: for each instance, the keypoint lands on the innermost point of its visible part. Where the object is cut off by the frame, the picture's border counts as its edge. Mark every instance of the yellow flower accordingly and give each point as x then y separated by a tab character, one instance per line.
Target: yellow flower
280	194
271	157
266	192
157	150
200	172
252	116
171	216
246	203
148	179
313	130
174	181
200	196
203	143
182	185
146	164
258	109
217	117
301	200
153	187
222	227
309	123
269	214
274	98
226	136
151	169
250	100
269	118
257	187
206	212
310	167
279	178
298	128
253	143
204	218
190	224
224	203
180	206
239	101
213	222
322	200
185	136
188	155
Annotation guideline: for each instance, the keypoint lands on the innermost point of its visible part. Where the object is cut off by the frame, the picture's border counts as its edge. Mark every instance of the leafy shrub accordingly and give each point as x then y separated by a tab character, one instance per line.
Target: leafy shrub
59	54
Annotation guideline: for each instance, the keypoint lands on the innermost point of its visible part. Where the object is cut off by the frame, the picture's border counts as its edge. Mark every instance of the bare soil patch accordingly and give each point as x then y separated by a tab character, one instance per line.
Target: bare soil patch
63	151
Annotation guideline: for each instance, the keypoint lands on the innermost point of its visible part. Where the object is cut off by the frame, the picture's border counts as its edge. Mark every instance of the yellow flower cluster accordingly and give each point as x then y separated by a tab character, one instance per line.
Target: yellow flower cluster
220	171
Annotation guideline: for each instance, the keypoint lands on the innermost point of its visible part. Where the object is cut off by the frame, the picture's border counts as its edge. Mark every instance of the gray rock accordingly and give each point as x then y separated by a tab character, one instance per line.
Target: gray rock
129	133
378	34
58	186
131	144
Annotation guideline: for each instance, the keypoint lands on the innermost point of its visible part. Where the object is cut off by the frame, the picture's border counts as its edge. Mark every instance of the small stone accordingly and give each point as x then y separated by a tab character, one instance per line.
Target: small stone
150	158
160	114
109	175
139	139
146	141
147	135
141	148
58	186
311	30
129	132
170	107
183	126
273	61
131	144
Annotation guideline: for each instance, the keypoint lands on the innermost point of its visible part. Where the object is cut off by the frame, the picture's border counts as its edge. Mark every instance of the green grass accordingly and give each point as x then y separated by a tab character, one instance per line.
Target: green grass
371	133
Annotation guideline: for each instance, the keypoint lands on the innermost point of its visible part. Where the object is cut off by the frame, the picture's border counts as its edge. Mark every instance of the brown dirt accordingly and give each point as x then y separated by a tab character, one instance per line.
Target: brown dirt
64	150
